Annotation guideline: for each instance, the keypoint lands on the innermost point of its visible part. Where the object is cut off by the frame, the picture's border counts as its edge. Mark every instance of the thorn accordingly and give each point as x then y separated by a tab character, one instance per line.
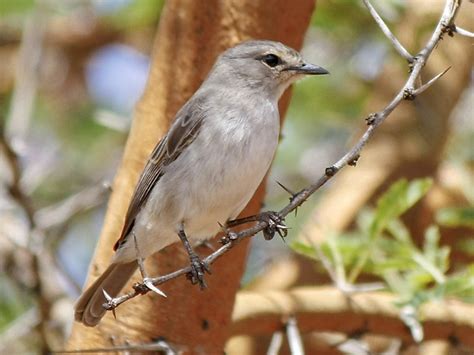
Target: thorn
283	232
286	189
464	32
425	86
292	195
152	287
107	296
110	305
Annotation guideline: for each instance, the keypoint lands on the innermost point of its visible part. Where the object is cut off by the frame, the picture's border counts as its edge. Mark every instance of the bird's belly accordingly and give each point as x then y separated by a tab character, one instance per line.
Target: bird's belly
210	182
222	187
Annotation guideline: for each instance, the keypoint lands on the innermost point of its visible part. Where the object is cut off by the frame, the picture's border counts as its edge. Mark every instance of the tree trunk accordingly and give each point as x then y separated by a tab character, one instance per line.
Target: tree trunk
190	36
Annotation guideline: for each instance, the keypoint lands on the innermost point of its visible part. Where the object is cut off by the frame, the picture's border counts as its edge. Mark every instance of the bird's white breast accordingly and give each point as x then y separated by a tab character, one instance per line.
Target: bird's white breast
233	155
214	177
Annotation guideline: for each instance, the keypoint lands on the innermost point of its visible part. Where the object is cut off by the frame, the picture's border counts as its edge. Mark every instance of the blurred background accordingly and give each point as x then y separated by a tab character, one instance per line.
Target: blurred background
71	72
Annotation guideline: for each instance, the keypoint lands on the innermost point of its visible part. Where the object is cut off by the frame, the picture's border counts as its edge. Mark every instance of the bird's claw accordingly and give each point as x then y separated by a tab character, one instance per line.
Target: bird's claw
275	224
198	269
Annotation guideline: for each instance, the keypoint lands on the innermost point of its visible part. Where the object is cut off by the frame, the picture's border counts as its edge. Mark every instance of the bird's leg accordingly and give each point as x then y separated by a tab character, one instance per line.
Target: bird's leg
198	267
239	221
276	223
141	266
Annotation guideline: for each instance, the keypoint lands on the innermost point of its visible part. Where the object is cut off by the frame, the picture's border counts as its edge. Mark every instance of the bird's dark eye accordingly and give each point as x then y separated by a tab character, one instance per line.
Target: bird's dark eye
271	60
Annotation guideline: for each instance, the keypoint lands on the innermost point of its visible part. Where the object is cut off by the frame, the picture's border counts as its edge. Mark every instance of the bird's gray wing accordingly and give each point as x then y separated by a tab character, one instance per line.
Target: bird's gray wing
183	131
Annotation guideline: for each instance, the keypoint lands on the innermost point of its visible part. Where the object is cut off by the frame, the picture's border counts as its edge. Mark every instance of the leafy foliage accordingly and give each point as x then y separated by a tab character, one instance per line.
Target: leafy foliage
456	217
383	247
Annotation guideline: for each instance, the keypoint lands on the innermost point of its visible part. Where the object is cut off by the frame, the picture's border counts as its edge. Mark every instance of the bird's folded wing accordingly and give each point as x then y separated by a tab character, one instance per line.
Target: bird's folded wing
184	130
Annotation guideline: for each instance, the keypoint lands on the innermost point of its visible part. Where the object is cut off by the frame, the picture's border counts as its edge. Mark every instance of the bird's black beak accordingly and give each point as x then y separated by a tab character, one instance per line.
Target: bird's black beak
308	69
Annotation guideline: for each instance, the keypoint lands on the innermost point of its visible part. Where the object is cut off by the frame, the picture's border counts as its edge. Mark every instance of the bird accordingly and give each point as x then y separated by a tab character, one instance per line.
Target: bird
206	168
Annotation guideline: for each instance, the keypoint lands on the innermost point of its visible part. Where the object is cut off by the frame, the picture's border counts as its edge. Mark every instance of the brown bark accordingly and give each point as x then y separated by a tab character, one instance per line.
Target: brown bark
191	34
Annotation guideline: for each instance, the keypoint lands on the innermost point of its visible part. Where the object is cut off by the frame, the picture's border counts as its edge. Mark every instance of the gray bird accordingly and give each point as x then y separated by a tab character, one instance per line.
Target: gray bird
204	171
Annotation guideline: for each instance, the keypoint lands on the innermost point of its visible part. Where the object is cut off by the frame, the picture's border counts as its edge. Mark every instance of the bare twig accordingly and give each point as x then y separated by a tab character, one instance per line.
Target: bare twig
38	222
14	186
17	194
391	37
63	211
425	86
409	316
463	32
26	77
294	337
275	343
407	92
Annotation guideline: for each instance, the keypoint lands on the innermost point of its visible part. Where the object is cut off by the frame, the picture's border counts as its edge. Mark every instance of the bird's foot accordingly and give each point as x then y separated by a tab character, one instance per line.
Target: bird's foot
275	224
198	269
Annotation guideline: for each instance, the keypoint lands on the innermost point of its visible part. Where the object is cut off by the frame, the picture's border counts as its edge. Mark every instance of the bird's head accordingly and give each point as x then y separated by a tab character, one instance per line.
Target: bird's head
264	65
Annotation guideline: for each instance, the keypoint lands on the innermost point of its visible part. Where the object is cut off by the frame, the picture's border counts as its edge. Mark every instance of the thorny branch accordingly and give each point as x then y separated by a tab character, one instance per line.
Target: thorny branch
409	91
391	37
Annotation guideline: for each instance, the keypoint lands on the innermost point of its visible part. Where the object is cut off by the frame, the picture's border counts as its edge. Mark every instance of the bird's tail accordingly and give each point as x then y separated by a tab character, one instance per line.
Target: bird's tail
89	309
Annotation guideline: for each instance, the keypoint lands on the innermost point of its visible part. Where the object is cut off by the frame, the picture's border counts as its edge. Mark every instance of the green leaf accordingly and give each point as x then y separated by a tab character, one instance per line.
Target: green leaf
430	246
460	285
466	245
399	198
435	254
399	231
456	217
